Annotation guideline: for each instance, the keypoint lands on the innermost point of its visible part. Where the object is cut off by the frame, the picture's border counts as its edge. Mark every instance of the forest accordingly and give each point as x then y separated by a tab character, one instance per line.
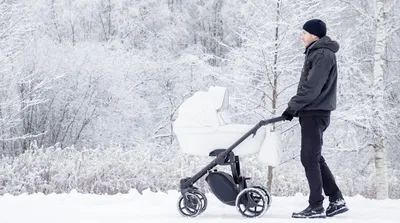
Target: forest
89	90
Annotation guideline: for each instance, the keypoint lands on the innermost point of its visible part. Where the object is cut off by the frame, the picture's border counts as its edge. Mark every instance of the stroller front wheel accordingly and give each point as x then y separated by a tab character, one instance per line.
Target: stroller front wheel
189	205
203	200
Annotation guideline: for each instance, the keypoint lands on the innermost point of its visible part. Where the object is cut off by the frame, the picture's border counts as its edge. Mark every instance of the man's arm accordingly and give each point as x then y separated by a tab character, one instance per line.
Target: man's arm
316	79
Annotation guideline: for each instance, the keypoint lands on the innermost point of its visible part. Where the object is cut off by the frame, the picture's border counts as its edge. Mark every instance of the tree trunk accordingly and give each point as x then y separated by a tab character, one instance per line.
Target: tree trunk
274	87
378	125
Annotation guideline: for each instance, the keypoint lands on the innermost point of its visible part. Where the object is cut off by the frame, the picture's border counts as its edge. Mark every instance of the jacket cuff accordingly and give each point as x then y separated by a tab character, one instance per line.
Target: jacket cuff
291	111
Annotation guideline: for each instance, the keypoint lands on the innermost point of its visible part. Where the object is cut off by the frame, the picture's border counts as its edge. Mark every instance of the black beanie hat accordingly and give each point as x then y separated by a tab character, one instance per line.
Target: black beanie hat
316	27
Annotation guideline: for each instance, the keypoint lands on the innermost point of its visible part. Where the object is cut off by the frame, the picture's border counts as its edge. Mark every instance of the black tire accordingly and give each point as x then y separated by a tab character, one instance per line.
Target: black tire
251	203
189	205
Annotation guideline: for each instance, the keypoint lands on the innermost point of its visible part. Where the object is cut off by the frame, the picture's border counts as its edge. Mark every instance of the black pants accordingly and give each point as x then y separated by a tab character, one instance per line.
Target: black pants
317	171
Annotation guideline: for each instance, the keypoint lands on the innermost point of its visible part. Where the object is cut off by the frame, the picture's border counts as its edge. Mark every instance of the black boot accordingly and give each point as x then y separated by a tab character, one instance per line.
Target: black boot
317	211
336	207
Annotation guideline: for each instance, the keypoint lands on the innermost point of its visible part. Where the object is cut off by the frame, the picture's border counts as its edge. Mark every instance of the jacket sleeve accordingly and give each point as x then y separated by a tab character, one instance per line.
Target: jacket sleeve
315	81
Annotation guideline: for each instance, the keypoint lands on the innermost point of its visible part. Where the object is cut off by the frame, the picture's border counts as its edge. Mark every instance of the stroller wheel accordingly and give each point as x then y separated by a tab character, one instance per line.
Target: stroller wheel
266	194
203	200
251	202
189	205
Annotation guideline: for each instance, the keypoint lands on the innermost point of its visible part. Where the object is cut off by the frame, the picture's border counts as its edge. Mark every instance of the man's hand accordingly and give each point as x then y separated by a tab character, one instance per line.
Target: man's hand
288	114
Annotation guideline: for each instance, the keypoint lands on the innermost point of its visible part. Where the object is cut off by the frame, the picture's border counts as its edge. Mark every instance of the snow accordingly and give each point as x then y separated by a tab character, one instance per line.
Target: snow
161	207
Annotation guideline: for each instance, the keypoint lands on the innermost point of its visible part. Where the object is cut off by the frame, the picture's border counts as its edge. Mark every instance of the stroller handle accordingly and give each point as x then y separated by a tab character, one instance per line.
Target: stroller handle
272	120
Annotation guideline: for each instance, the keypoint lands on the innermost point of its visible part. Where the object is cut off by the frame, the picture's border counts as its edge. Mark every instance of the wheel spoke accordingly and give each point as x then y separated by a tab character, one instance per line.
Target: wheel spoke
186	207
256	196
192	211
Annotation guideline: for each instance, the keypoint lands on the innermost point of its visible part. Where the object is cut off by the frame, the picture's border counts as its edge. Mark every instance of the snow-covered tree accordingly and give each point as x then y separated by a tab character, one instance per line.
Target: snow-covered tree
378	23
21	86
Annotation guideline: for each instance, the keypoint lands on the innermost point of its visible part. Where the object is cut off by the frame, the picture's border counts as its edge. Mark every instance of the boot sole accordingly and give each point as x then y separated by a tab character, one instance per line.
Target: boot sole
340	211
322	215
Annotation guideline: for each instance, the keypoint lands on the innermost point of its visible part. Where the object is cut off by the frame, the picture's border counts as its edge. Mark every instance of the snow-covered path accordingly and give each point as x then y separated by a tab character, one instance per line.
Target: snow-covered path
161	207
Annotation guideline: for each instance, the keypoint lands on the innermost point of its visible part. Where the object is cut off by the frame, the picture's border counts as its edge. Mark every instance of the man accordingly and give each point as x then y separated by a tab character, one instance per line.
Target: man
313	103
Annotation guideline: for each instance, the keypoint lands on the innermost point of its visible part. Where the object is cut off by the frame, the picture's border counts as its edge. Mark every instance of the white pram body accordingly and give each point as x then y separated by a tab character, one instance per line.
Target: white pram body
202	126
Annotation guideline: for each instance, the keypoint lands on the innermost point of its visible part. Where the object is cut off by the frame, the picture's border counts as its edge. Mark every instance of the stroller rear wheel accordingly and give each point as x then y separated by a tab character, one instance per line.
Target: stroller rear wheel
189	205
266	194
251	202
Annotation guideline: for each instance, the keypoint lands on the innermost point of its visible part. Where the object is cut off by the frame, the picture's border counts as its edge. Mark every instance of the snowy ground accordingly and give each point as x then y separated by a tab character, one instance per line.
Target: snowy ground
161	207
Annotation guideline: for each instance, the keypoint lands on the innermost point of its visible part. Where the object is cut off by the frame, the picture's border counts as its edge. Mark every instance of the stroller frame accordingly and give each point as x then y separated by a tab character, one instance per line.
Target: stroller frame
194	202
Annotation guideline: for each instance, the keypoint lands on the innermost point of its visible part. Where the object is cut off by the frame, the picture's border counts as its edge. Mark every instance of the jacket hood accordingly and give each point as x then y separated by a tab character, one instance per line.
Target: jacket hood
325	42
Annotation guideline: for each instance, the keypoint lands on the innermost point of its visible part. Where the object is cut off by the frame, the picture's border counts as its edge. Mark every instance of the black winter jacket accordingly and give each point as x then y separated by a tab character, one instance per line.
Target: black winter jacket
316	91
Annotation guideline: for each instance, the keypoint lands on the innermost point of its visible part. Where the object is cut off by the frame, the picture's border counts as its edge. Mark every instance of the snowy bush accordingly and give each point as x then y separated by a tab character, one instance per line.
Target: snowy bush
99	170
149	166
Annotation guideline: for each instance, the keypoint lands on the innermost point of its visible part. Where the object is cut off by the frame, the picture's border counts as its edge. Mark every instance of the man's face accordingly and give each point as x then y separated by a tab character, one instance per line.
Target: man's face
308	38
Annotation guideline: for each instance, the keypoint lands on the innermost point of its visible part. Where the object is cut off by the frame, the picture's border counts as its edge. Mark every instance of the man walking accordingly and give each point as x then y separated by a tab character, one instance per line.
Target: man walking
313	103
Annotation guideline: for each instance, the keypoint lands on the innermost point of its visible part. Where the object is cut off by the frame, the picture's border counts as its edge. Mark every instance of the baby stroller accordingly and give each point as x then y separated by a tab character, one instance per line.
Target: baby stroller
202	129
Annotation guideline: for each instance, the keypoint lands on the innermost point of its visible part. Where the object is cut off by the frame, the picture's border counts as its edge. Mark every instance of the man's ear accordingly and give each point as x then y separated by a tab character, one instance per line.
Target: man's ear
314	37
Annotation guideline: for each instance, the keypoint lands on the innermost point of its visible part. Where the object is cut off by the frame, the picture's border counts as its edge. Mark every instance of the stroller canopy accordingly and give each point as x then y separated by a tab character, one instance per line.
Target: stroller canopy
203	126
203	112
